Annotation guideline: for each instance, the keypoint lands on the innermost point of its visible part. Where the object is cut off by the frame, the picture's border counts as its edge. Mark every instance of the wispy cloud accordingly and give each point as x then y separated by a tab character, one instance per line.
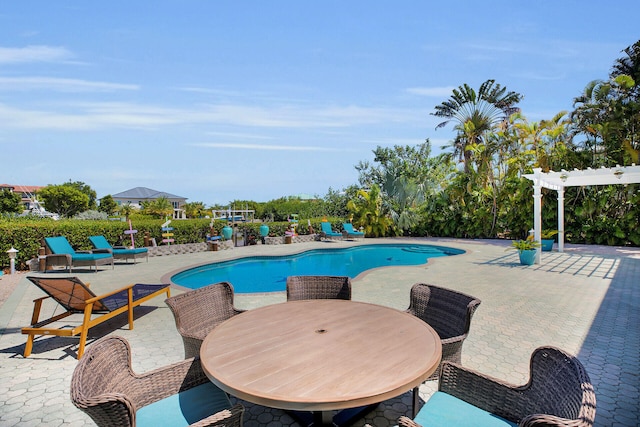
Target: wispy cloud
13	55
435	92
266	147
60	85
104	115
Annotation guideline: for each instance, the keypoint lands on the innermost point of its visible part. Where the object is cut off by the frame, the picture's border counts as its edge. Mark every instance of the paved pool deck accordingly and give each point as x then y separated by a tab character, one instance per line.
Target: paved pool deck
585	301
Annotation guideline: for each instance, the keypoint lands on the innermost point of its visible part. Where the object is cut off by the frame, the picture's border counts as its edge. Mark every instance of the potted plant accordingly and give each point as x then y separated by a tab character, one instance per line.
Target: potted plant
547	239
526	250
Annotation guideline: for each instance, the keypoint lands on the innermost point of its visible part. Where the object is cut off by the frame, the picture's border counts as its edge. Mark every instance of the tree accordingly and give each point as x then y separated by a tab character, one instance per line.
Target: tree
65	200
413	162
369	213
86	189
194	209
475	114
608	115
108	205
126	210
160	207
10	202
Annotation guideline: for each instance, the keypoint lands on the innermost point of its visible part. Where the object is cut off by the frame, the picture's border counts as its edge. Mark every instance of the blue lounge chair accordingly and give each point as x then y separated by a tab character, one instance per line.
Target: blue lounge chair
118	252
62	253
349	232
327	232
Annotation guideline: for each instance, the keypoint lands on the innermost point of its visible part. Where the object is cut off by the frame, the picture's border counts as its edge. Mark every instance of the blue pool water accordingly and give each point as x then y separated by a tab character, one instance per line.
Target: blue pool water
269	273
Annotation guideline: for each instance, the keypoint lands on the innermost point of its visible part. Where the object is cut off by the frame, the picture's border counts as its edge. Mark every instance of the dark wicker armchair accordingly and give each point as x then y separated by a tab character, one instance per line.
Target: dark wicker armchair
448	312
318	287
197	312
104	386
559	393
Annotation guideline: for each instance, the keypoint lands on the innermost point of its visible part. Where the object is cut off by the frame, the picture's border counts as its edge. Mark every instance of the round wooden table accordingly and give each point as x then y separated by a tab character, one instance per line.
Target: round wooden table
320	355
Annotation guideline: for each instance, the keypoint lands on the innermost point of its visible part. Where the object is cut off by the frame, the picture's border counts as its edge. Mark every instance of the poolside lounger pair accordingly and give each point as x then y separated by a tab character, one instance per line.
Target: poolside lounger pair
61	253
76	297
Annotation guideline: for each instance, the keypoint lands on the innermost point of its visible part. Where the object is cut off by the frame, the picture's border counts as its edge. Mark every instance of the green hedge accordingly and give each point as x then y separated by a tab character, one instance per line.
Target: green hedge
26	235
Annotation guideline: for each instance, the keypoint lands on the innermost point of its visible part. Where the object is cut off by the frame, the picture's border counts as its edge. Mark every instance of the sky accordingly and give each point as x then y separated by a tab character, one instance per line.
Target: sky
219	101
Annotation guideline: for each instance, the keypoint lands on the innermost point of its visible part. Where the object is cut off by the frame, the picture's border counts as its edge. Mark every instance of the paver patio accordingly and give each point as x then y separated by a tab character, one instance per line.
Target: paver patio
585	301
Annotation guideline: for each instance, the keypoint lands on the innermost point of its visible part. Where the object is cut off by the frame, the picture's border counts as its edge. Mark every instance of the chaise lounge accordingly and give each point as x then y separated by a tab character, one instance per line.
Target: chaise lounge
60	252
118	252
349	232
327	232
76	297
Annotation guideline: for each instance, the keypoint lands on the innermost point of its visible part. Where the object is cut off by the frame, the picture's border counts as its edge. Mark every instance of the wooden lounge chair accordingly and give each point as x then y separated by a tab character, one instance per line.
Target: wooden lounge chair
60	252
348	232
559	393
118	252
105	387
448	312
76	297
327	232
318	287
199	311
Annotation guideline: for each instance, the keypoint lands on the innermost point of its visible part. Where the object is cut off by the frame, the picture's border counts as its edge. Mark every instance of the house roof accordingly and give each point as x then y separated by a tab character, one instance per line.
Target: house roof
145	193
22	188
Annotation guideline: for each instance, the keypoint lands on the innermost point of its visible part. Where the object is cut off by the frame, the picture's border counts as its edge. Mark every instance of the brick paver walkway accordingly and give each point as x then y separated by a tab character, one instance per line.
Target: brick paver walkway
585	301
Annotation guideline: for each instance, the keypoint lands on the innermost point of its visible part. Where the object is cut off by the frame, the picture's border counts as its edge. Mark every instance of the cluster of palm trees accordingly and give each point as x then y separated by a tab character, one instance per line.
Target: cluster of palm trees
476	188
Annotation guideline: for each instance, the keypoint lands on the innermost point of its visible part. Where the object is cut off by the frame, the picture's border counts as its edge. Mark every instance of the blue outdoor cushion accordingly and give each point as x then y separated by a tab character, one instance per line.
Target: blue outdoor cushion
184	408
444	410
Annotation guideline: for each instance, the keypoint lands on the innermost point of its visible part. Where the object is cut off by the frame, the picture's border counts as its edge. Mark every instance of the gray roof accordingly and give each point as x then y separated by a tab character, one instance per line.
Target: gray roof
145	193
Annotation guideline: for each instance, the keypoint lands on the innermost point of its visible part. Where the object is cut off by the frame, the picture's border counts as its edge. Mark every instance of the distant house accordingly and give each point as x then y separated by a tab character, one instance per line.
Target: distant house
137	195
26	192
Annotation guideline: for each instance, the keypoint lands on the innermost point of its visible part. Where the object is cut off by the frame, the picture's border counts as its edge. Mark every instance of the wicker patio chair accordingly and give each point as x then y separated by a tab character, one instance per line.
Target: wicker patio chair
105	387
559	393
448	312
197	312
318	287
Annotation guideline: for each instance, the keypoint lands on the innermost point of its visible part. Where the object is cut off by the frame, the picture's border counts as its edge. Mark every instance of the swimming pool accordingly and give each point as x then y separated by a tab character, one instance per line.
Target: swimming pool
269	273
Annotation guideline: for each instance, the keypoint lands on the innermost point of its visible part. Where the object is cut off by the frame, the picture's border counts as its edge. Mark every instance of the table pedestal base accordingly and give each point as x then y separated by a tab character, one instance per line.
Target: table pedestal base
343	418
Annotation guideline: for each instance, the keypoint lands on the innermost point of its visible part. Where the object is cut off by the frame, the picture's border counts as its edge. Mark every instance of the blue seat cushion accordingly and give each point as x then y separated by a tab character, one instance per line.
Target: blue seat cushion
89	257
444	410
184	408
134	251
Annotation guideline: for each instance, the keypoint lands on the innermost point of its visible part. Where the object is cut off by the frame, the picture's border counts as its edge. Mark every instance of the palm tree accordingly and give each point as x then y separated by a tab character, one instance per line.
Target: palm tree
476	113
369	212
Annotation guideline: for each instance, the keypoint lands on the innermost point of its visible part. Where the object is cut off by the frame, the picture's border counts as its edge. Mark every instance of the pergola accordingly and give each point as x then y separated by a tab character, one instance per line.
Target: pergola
576	178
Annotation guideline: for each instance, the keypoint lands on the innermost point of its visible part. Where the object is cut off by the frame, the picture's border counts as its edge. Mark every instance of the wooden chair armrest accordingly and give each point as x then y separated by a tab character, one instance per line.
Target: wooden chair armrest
99	297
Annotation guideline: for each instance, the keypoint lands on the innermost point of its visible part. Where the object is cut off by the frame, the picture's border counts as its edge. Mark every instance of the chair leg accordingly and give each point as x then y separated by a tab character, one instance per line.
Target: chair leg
416	400
130	307
28	346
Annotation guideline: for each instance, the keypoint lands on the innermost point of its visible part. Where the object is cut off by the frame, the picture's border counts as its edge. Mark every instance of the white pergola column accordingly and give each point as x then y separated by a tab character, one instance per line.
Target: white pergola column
561	219
537	216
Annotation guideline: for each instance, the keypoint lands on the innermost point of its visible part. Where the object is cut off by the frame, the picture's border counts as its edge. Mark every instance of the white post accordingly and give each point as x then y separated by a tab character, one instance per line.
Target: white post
537	212
12	259
561	219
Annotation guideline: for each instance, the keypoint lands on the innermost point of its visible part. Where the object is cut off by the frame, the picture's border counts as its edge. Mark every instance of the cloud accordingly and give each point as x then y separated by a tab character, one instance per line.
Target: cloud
13	55
106	115
435	92
265	147
60	85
